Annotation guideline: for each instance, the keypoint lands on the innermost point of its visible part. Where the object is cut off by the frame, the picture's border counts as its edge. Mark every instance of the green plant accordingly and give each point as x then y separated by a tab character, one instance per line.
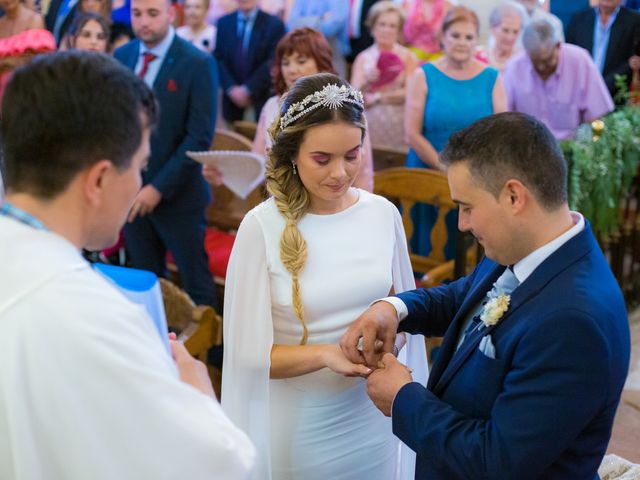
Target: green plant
602	165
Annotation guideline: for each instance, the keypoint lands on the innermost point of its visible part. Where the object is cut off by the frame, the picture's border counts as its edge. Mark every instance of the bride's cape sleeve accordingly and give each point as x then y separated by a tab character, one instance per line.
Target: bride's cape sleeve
414	353
248	338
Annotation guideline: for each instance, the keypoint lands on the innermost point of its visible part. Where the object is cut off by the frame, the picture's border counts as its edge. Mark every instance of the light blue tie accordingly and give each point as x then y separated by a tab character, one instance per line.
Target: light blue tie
504	285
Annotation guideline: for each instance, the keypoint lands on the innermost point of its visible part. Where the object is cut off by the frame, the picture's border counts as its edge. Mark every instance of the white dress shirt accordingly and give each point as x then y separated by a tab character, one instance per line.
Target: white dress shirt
160	51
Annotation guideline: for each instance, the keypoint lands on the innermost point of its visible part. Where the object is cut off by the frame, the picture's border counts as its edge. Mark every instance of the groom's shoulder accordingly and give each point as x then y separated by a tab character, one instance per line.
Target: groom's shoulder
577	278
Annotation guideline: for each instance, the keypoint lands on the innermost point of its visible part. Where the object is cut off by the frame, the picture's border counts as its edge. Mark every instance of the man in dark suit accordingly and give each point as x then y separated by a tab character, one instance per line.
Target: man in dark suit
359	37
535	355
610	32
168	213
245	47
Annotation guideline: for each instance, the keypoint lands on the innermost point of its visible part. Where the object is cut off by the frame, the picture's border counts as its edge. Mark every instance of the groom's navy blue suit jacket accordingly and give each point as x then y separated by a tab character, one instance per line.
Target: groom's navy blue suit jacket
544	407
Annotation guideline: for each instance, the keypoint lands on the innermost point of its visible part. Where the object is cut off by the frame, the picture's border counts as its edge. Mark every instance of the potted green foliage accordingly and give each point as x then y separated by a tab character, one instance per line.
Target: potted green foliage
603	160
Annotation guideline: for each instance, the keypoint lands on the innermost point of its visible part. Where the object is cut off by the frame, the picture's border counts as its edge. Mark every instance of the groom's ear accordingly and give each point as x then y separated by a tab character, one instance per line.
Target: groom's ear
516	195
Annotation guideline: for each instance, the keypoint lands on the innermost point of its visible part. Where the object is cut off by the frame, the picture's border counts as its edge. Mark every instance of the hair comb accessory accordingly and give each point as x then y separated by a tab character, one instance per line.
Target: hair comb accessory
331	96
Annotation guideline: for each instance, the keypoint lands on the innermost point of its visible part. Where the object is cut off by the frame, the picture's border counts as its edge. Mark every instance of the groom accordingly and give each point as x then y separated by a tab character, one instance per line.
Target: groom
535	355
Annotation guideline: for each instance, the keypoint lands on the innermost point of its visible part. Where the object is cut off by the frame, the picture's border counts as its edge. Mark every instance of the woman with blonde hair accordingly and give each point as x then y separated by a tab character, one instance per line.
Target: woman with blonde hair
196	29
301	52
304	265
381	73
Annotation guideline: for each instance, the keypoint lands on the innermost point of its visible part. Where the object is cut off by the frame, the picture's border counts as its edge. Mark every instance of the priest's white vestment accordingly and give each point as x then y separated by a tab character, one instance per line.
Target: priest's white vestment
87	389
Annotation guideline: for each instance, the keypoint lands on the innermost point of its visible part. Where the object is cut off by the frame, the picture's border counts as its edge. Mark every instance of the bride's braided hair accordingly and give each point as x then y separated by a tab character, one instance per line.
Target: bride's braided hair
286	188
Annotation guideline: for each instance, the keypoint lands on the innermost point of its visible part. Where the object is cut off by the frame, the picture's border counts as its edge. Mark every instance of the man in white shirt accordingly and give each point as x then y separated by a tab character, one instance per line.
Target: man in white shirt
534	357
87	390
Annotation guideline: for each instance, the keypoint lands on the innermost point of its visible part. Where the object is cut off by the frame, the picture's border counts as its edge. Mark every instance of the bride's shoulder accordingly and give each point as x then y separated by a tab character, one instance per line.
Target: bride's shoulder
263	221
264	211
376	202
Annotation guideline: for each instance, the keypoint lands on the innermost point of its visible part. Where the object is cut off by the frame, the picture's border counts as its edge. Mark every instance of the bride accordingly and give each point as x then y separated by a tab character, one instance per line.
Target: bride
304	265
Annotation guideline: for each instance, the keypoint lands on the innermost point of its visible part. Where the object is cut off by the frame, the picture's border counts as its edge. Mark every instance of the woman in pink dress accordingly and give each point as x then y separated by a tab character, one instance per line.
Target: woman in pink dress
19	49
381	73
422	29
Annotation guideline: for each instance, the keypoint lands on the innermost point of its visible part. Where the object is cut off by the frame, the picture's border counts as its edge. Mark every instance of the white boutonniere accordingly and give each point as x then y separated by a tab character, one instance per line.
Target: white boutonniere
494	309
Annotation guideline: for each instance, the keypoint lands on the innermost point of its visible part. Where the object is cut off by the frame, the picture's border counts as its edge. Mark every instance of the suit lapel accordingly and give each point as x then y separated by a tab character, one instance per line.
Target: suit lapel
255	38
132	58
164	74
561	259
518	298
588	32
447	350
615	37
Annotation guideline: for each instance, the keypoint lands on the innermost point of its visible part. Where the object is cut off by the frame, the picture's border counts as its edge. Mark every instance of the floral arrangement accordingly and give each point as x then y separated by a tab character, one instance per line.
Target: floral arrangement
495	308
603	160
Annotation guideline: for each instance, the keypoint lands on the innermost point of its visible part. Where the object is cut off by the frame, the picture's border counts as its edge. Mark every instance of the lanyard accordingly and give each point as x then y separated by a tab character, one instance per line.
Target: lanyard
21	216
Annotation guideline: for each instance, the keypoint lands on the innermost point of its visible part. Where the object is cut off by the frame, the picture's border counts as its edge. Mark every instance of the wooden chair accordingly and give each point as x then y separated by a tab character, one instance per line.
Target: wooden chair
405	187
386	157
246	129
199	326
228	140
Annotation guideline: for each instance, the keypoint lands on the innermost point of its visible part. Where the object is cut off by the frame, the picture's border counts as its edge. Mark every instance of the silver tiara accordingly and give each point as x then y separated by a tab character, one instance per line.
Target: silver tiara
331	96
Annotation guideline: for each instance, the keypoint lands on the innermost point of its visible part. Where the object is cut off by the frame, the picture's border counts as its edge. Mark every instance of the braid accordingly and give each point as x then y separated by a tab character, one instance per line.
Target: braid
292	201
289	193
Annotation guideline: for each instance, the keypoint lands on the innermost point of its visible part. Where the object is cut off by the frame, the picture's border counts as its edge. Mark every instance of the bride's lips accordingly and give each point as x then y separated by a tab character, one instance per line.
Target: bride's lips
336	187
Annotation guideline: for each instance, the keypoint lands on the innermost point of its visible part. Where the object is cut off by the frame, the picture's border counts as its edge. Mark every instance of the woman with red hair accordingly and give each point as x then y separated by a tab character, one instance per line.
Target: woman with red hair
301	52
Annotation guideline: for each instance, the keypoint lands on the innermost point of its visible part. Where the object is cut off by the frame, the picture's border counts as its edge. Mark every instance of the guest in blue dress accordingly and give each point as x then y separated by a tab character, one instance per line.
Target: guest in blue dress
444	97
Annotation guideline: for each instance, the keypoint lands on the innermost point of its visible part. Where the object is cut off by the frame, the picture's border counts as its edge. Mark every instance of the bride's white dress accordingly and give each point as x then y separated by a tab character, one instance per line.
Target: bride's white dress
322	425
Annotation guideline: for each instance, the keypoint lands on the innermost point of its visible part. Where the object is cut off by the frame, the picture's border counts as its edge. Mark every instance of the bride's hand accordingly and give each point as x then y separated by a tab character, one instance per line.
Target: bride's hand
335	360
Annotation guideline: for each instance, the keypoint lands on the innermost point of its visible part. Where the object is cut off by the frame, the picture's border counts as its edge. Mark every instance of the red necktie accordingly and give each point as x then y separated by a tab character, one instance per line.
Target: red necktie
147	58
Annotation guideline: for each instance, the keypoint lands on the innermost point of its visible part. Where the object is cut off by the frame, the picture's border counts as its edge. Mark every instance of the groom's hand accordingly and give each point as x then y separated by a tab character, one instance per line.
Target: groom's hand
378	322
384	384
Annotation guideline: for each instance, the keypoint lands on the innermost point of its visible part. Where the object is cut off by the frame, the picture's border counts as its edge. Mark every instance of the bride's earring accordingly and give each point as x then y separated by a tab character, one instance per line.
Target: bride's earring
295	171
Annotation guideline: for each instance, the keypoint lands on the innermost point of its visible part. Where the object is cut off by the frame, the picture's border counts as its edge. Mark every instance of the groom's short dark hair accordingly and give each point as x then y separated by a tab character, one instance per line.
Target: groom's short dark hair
511	145
63	112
